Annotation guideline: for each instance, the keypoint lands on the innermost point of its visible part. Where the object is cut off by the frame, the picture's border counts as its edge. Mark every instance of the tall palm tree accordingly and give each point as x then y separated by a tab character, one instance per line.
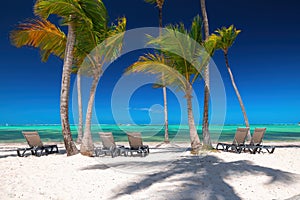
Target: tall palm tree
41	33
177	70
74	15
160	4
225	39
205	123
107	47
81	17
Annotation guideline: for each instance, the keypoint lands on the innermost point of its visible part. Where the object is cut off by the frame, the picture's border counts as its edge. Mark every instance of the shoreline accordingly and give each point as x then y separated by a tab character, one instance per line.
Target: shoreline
49	133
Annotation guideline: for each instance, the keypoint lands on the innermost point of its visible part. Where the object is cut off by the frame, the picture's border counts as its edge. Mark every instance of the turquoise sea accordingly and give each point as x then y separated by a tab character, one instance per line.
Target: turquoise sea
275	132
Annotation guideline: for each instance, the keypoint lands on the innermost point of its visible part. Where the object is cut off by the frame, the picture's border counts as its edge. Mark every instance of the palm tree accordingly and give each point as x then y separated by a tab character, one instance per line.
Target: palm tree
205	124
42	34
74	14
160	4
107	47
225	39
82	18
177	67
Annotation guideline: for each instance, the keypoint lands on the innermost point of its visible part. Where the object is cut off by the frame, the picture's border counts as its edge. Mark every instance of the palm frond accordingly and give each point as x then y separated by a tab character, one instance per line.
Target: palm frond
69	10
157	65
106	51
150	1
172	41
42	34
96	11
159	3
177	43
226	37
196	29
156	86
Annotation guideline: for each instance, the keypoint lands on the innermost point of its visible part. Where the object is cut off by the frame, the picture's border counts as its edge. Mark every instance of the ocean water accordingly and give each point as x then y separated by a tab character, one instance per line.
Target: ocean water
275	132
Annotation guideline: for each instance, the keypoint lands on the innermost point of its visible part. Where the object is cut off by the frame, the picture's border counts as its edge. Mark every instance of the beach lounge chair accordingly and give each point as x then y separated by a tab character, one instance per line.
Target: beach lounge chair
36	146
109	146
238	141
136	144
256	142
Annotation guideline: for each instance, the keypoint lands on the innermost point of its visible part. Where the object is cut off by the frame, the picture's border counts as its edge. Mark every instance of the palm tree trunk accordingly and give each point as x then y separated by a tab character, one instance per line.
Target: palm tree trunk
160	16
195	141
164	87
80	120
87	146
166	115
64	95
238	95
205	124
205	18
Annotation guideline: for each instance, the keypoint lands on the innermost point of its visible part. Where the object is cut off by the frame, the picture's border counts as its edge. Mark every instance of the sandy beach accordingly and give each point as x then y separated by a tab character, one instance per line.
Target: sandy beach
168	172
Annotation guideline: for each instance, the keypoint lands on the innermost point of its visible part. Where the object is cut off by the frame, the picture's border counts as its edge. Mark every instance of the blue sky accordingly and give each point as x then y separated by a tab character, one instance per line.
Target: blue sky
265	61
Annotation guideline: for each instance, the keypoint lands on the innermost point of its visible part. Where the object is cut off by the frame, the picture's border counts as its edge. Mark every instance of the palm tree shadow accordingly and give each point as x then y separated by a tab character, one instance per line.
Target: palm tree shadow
193	178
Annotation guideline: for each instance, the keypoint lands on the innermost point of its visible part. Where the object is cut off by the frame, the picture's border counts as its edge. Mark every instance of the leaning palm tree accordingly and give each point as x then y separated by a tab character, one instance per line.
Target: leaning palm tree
205	124
160	4
182	52
82	18
105	48
225	39
42	34
74	15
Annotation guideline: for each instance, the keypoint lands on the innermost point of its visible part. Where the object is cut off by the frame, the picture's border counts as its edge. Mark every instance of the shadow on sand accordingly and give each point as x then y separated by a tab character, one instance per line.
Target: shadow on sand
193	176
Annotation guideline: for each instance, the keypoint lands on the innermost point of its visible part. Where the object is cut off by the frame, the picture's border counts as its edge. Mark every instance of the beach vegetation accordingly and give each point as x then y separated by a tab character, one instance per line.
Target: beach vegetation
225	38
106	47
205	122
181	66
81	18
159	4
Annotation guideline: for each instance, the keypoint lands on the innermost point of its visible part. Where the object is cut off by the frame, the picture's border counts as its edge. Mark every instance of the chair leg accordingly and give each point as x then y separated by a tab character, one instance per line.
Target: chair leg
47	151
36	153
239	150
54	149
228	147
112	154
217	147
272	149
21	154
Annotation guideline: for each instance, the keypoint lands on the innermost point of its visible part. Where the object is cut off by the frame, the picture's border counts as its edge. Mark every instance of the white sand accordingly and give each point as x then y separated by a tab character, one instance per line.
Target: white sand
167	173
